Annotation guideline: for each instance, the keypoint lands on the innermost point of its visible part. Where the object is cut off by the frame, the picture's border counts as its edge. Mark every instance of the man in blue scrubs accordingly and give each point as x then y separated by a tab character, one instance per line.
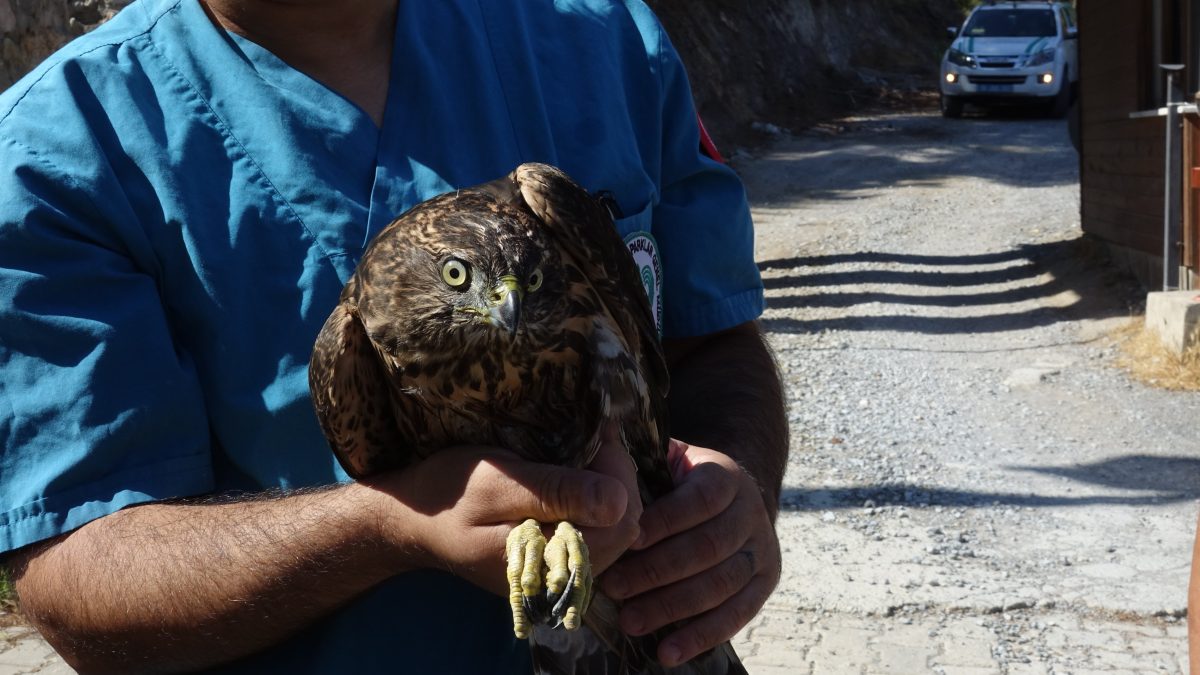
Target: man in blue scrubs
184	192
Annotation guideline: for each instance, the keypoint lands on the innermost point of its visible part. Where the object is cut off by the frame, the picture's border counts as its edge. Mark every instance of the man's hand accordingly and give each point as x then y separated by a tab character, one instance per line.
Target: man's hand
708	554
467	499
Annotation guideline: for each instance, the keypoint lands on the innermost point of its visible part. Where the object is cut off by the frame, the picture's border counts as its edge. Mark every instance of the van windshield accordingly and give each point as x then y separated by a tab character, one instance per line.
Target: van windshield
1012	23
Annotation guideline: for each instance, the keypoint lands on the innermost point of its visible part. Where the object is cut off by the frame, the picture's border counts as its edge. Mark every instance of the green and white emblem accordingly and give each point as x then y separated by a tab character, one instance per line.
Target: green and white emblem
644	250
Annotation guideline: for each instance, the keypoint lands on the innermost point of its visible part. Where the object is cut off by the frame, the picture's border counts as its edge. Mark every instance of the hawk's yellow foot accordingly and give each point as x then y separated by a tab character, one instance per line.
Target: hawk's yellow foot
568	576
549	582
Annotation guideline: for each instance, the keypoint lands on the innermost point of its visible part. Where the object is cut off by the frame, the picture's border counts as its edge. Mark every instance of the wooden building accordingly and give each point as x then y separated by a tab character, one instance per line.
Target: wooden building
1122	153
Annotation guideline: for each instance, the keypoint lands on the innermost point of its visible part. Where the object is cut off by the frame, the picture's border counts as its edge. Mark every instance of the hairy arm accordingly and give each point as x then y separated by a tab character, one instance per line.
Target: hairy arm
708	557
726	394
186	585
181	586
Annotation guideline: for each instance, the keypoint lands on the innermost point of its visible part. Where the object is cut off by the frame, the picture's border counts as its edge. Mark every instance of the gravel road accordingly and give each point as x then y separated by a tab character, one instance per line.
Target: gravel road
974	487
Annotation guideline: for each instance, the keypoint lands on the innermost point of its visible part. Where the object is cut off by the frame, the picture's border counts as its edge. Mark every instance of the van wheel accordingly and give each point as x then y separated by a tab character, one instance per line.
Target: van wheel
1073	122
952	106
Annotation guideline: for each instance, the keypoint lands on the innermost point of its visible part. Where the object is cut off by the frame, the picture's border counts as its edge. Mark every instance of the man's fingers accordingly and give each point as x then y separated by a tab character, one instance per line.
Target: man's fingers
551	494
708	490
613	460
678	460
607	543
689	597
677	558
717	625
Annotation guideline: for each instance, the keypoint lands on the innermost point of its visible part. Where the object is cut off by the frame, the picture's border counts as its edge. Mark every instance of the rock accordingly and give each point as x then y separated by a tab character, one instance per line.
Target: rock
30	30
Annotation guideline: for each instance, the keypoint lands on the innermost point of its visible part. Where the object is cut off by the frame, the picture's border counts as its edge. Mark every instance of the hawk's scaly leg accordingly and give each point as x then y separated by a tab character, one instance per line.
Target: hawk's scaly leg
562	564
569	575
524	552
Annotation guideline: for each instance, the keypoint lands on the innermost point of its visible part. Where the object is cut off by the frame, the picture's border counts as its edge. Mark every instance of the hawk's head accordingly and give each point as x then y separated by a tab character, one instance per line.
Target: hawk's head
462	270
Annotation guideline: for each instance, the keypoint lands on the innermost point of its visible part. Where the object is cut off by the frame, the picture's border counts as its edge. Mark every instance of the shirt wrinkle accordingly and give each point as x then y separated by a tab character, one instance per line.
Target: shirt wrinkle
227	131
500	81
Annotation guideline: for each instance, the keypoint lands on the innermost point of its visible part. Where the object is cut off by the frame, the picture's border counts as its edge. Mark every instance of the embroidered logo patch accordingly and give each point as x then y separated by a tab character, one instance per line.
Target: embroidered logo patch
645	255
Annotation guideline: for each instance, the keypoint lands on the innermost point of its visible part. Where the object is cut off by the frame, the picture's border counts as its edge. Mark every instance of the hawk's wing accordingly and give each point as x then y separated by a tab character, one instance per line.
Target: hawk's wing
350	394
582	227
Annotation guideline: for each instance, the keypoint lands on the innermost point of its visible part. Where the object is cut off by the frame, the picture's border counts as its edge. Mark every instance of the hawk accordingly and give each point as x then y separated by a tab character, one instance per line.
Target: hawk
512	315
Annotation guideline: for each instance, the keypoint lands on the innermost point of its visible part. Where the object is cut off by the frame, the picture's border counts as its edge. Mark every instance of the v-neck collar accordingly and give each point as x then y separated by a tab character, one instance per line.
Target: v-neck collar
318	152
276	72
447	121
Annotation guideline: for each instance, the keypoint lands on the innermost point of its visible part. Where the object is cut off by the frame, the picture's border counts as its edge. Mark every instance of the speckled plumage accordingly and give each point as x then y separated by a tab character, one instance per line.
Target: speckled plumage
409	363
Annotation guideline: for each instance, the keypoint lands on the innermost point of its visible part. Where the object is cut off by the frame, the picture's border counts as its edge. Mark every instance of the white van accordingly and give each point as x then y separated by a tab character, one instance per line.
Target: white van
1012	52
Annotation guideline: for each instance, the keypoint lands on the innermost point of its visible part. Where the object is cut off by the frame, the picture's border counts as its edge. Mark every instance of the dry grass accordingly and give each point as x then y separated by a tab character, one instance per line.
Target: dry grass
1149	361
9	614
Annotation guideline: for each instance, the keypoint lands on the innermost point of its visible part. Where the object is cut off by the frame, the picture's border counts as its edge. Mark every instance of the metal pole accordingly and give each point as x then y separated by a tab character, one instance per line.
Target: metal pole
1159	52
1172	171
1188	38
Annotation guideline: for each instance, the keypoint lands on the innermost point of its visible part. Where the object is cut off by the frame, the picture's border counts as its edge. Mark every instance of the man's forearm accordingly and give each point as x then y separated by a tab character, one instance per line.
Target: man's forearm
726	394
180	586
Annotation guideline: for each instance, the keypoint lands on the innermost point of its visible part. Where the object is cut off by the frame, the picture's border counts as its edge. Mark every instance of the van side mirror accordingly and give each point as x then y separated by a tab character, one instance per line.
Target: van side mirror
1072	33
952	31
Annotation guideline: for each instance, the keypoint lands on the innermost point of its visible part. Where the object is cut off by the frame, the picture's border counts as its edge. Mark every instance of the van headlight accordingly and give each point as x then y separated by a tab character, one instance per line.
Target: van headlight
960	58
1044	56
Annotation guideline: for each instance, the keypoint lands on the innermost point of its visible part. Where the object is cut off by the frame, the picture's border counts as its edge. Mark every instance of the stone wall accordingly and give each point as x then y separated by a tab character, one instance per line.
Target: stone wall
30	30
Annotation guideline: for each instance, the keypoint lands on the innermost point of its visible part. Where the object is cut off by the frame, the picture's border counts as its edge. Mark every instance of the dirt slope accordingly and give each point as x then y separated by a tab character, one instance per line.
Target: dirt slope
791	62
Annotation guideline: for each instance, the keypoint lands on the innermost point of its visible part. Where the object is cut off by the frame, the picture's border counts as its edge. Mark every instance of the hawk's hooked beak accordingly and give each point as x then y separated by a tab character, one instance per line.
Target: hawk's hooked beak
504	304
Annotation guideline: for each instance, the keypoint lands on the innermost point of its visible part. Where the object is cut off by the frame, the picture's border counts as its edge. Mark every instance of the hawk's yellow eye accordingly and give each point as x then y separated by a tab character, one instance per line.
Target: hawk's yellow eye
535	281
454	273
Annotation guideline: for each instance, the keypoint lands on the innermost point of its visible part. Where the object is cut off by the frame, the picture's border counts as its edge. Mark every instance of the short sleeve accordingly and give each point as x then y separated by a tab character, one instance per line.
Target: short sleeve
701	222
98	410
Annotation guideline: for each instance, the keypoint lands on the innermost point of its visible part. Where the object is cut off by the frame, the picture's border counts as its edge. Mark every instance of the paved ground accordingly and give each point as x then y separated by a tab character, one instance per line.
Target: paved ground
974	487
22	651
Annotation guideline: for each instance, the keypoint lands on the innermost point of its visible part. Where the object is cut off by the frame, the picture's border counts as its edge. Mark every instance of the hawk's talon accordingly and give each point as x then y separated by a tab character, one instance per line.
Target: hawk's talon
560	607
562	563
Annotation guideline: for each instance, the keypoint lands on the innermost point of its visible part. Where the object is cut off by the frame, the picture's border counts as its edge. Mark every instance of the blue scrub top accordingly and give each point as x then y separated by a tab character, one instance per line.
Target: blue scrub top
179	210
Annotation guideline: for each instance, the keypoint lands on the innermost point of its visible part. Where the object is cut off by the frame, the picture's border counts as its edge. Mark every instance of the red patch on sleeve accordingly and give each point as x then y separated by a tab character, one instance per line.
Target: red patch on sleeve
706	142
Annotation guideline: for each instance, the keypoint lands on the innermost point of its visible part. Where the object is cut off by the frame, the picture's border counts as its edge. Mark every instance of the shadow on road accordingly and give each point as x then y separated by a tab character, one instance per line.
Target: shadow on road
1073	266
1166	479
934	278
895	258
997	323
1133	472
921	149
